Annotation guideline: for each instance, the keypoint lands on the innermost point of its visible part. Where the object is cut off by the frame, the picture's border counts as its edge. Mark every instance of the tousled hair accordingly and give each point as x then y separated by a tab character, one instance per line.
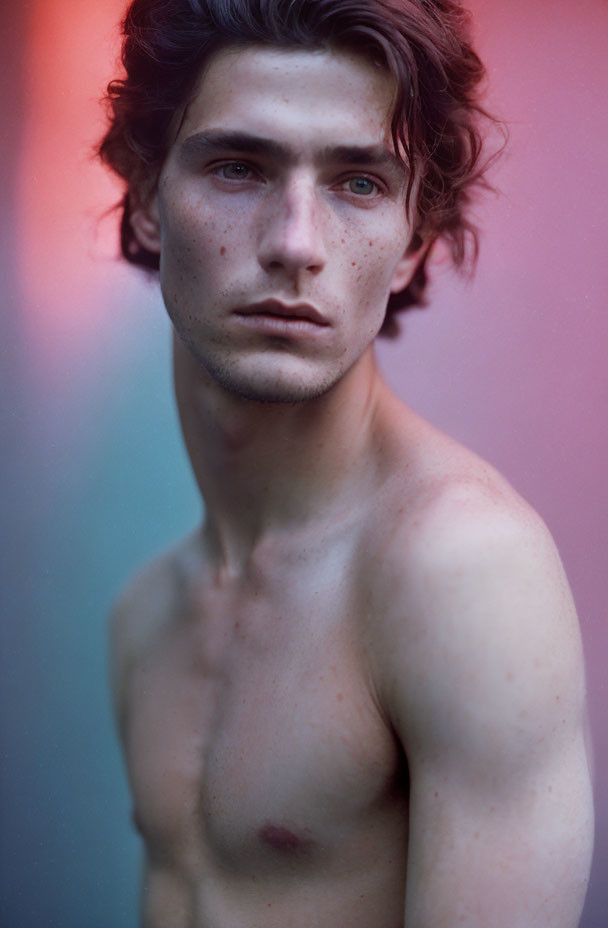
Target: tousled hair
424	44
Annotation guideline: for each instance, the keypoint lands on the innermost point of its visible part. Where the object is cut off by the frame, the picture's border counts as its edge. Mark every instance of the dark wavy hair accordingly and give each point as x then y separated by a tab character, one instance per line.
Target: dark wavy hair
424	44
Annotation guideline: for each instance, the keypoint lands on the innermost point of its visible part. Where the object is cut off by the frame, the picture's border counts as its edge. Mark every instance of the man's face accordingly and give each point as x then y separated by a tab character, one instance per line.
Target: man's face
281	186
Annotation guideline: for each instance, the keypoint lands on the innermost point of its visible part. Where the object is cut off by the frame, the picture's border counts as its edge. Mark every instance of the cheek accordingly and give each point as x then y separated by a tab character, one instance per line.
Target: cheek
194	242
193	229
370	269
371	246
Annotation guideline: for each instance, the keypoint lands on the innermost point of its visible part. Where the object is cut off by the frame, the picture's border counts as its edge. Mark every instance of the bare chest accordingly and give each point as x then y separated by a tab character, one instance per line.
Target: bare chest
253	735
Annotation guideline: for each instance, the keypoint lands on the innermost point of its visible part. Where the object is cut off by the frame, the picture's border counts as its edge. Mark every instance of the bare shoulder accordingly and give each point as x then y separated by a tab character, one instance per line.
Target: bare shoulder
471	596
447	502
477	664
144	608
470	517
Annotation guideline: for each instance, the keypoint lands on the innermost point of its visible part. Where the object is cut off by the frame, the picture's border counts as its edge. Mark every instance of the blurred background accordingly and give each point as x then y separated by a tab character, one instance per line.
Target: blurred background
94	475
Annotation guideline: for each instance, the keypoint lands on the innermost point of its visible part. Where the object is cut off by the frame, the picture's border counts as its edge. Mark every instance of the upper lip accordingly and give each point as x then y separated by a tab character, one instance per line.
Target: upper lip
277	308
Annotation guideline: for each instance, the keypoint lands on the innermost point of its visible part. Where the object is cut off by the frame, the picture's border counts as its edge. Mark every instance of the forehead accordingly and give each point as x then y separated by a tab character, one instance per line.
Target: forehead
301	97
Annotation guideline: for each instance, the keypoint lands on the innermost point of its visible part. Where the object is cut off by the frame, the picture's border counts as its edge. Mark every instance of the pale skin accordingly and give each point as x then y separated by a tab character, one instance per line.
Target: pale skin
354	698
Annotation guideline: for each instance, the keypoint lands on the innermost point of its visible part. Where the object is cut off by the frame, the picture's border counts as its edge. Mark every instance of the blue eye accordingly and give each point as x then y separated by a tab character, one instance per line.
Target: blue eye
236	170
362	186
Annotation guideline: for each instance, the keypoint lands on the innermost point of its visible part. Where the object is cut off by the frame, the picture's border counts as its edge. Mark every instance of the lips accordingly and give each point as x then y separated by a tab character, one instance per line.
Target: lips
297	312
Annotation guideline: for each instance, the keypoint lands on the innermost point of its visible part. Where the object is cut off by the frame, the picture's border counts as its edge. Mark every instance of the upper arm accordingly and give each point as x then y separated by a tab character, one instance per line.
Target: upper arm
486	689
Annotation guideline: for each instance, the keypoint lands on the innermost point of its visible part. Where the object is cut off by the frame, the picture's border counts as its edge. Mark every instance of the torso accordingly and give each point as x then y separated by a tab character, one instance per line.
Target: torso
268	785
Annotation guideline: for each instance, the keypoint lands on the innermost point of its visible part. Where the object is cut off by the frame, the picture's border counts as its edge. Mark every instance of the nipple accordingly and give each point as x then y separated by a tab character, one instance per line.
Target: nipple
282	839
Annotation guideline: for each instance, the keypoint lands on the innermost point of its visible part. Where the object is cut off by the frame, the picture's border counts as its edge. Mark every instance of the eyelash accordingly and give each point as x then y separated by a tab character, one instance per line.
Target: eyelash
217	169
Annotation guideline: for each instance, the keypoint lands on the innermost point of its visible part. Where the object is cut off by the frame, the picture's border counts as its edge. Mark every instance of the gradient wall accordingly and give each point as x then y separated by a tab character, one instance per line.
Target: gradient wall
94	474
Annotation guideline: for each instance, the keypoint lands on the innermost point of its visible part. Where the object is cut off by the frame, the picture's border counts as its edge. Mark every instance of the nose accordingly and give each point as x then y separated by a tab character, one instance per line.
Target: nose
293	235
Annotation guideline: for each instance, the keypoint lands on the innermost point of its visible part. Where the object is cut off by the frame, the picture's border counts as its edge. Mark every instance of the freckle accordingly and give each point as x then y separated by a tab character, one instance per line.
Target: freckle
476	835
371	244
340	697
362	896
549	789
510	676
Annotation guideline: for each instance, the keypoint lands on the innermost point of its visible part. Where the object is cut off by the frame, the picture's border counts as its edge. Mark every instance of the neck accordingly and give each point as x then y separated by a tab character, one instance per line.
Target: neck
264	468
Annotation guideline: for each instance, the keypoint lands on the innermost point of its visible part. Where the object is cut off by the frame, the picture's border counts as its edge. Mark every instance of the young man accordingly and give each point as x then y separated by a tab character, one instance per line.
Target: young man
354	698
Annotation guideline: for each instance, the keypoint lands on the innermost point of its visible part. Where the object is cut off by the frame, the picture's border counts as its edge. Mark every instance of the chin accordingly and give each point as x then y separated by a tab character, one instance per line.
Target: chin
273	392
272	386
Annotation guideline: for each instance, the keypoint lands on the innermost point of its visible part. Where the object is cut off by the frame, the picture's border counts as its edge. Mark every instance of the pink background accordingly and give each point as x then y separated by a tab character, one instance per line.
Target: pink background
512	365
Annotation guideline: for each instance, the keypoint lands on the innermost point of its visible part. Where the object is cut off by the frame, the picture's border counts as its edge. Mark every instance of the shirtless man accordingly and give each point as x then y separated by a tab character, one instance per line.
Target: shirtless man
354	698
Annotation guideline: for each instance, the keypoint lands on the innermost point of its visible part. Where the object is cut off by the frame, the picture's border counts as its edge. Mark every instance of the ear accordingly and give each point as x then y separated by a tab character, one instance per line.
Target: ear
407	264
145	221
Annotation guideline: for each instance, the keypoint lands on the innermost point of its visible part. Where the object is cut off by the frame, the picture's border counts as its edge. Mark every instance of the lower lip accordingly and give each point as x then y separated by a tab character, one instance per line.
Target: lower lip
280	325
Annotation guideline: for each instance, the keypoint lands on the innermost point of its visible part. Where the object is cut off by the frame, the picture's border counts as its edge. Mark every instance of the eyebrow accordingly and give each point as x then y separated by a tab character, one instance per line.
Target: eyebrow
216	141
